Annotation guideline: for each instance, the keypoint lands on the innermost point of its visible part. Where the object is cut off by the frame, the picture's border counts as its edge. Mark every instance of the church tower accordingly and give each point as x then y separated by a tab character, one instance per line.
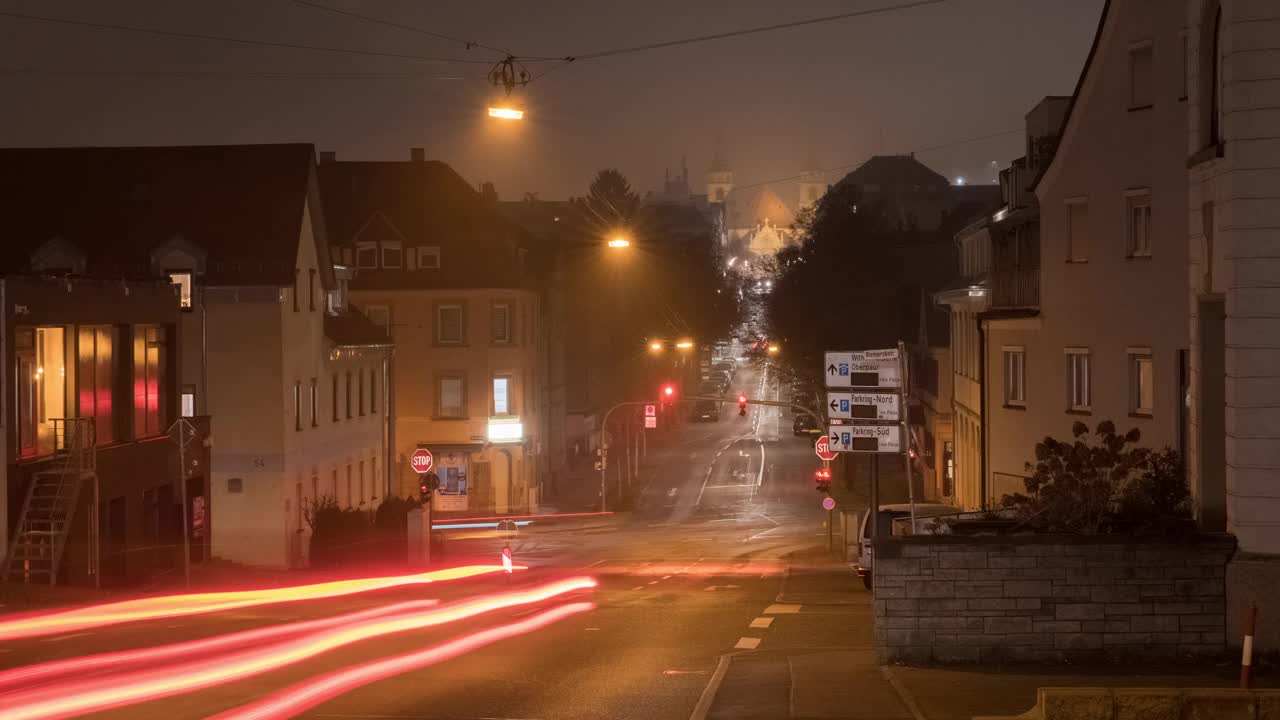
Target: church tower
812	186
719	177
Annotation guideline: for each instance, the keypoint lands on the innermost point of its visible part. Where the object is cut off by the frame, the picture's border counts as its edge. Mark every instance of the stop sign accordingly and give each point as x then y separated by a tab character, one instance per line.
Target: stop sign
422	461
822	447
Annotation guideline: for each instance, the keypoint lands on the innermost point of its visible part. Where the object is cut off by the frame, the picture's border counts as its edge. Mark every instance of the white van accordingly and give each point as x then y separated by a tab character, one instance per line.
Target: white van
896	520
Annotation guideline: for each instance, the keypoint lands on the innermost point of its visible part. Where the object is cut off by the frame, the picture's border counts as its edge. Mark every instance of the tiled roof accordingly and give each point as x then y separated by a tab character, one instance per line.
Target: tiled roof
241	205
352	329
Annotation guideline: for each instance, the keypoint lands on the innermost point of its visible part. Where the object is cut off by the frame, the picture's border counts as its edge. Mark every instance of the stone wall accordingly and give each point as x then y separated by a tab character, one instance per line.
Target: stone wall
1049	598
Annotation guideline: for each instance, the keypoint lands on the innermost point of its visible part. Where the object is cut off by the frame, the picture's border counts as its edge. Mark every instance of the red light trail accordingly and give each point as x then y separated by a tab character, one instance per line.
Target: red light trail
302	696
72	698
551	516
48	623
116	662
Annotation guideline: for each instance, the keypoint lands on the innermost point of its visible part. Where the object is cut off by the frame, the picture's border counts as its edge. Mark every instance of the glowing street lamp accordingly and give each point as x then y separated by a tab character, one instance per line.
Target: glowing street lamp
774	349
655	346
506	113
685	345
619	242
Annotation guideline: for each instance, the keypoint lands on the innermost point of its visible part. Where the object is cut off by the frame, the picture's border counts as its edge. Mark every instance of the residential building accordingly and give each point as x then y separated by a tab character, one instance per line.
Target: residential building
915	198
931	406
89	403
1231	147
452	279
238	230
1086	321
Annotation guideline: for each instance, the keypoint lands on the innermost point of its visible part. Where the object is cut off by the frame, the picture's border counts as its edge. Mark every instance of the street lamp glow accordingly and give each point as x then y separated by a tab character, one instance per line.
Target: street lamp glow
773	349
655	346
506	113
685	344
619	242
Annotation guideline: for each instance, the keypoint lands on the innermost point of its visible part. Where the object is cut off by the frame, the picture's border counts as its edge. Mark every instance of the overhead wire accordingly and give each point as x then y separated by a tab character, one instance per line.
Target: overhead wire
468	44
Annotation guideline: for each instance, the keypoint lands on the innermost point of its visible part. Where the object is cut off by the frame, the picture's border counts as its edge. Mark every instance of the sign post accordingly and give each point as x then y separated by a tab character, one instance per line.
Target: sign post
650	416
423	462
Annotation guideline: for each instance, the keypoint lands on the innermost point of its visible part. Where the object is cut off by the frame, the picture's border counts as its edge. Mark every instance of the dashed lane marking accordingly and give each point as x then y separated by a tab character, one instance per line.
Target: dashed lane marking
638	587
747	643
782	609
762	622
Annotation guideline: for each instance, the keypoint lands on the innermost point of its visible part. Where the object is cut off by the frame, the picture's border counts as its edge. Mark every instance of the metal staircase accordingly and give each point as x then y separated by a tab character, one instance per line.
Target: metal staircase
50	505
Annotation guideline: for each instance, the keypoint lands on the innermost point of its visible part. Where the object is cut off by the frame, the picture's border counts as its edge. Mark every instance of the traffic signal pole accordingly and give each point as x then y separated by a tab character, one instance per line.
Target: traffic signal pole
604	451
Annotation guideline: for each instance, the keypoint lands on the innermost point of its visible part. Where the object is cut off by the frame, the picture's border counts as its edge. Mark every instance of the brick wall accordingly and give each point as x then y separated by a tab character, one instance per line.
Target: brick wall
1049	598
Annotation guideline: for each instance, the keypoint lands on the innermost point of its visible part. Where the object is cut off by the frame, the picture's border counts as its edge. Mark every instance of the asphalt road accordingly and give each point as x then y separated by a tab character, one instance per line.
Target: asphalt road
727	535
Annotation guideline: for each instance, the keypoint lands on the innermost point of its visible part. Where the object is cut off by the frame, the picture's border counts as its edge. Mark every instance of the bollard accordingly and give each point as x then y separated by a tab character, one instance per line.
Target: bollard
1246	648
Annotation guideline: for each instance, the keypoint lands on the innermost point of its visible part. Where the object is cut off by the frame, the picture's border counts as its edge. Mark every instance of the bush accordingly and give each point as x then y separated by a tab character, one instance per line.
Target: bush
1101	484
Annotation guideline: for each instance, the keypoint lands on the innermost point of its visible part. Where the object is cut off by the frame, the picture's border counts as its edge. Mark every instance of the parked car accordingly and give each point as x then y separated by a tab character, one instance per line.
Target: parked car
804	424
894	520
705	410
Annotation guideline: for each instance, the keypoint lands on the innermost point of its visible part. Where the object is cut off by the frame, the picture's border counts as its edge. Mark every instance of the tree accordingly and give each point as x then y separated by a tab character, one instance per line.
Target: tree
610	200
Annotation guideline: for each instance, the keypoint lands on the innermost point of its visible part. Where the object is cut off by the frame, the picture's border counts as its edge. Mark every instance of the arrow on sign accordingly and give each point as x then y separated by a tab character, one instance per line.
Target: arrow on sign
831	369
834	406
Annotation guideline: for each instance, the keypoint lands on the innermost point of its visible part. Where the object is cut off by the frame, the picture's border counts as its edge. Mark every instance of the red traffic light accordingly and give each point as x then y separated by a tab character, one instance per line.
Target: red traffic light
668	390
822	474
742	404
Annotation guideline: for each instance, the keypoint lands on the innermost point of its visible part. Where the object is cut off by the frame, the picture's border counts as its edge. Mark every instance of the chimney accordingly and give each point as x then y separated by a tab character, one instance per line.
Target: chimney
417	155
328	157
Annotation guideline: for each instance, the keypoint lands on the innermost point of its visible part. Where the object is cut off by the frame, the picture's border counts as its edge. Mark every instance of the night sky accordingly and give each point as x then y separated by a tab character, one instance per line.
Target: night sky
836	92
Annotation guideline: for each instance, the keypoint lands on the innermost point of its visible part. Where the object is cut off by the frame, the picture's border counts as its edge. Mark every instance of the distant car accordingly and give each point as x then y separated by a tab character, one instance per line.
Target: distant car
705	410
893	520
804	424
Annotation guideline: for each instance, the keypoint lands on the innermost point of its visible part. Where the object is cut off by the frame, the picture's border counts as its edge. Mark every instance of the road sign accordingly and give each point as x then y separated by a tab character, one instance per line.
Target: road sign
862	405
823	449
422	461
651	410
828	503
650	422
865	438
866	368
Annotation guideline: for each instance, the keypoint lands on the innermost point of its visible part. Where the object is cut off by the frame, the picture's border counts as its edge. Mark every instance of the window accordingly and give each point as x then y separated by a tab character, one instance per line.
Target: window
373	391
500	323
1210	80
315	403
311	288
1015	377
188	401
361	476
1078	380
502	395
42	386
392	255
96	378
1077	230
449	325
297	405
235	485
350	411
451	396
366	255
183	281
1139	222
335	397
296	275
149	361
360	392
429	258
1141	383
379	315
349	497
334	494
1140	76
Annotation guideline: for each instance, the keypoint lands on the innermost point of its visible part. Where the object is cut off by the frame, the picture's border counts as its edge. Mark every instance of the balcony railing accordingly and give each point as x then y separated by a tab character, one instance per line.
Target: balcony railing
1016	288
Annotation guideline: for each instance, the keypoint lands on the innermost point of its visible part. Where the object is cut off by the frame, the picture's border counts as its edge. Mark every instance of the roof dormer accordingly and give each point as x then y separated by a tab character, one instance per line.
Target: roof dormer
58	256
178	254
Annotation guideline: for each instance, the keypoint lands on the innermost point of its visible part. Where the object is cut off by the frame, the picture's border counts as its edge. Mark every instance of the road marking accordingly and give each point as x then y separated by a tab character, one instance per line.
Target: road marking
760	475
666	577
596	563
593	629
60	638
638	587
686	672
654	582
782	609
703	708
718	587
766	517
762	622
746	486
747	643
901	690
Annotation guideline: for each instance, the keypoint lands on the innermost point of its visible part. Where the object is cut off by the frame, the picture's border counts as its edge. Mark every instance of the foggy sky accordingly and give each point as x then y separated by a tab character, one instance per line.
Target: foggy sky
835	92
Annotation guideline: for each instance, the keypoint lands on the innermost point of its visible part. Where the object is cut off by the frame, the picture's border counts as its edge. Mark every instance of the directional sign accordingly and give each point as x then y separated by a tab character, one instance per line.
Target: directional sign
823	449
422	461
866	368
862	405
865	438
828	503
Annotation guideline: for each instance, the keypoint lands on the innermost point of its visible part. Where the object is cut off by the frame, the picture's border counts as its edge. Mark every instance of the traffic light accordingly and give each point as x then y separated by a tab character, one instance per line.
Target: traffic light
823	478
428	483
667	393
742	404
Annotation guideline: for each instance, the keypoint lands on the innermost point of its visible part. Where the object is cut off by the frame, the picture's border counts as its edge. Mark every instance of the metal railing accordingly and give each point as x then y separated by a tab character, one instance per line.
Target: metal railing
1016	288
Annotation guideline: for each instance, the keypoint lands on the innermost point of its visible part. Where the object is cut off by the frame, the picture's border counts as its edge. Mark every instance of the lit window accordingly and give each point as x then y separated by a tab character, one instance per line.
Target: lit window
500	321
449	325
1139	225
1077	230
1015	378
428	258
502	395
98	349
41	388
183	281
366	255
1141	384
1140	76
392	255
451	396
1079	380
149	361
188	401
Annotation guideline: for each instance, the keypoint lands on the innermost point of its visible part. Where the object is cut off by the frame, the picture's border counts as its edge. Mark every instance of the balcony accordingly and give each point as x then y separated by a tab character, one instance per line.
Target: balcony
1016	288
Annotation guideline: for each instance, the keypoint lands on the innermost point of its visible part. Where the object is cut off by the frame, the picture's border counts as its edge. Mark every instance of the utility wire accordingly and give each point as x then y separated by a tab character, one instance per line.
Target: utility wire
941	146
468	44
236	40
745	31
266	75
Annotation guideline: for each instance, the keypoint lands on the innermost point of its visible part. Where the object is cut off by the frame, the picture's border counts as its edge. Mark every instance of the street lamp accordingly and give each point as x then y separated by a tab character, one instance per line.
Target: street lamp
655	346
685	345
506	112
619	242
774	349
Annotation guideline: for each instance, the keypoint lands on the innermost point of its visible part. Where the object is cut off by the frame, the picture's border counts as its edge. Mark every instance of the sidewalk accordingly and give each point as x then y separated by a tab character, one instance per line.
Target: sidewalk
820	661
